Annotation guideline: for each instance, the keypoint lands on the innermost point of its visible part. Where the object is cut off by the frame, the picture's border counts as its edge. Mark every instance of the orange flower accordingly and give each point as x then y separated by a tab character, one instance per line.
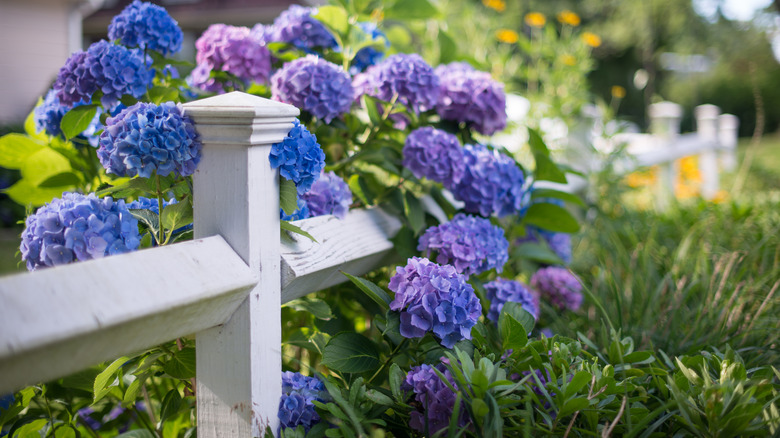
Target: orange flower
535	19
568	59
497	5
618	92
569	17
591	39
507	36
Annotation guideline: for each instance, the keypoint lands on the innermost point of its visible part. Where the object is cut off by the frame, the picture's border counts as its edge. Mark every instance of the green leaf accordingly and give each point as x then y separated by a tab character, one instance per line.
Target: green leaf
557	194
137	433
317	307
182	364
350	352
536	252
24	193
577	382
546	169
31	429
15	149
396	377
370	104
480	408
521	315
131	393
171	404
379	398
513	334
29	123
43	164
334	18
373	291
127	187
101	386
177	215
149	218
160	94
573	405
75	121
414	213
447	47
411	10
357	189
287	226
64	179
288	196
551	217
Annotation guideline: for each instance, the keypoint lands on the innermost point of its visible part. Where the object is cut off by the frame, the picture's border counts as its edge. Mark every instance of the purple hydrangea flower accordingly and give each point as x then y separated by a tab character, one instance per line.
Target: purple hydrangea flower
328	195
434	298
49	113
145	138
501	291
297	27
435	398
298	393
299	157
231	49
434	154
408	77
315	85
492	183
148	26
471	244
77	227
559	286
368	56
114	70
471	96
302	212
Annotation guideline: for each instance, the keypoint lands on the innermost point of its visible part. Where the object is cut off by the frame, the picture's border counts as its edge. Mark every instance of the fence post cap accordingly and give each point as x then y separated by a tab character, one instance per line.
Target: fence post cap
707	111
237	104
665	110
728	121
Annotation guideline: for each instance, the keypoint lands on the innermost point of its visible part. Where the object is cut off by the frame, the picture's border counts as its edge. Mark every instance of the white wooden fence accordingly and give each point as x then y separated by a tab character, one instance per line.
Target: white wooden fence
226	286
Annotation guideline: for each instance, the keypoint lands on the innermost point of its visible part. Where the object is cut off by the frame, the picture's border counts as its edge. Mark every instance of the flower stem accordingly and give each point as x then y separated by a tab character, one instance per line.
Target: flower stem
392	354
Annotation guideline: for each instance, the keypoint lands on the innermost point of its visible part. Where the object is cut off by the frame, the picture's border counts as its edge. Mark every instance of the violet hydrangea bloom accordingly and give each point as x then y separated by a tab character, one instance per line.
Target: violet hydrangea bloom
77	227
328	195
435	399
295	405
147	137
299	157
471	244
368	56
148	26
434	298
408	77
49	114
559	286
471	96
491	184
232	49
315	85
501	291
75	83
434	154
297	27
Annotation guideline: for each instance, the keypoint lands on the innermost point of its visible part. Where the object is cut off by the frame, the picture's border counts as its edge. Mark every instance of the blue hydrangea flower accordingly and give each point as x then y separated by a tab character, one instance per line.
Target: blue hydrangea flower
315	85
145	138
501	291
6	401
298	393
117	71
49	113
559	286
232	49
299	157
368	56
148	26
77	227
408	77
434	298
435	399
302	212
471	244
297	27
328	195
434	154
471	96
492	183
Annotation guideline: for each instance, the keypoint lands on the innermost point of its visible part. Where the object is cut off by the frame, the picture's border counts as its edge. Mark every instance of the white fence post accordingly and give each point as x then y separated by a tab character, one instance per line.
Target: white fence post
665	120
707	129
236	195
728	132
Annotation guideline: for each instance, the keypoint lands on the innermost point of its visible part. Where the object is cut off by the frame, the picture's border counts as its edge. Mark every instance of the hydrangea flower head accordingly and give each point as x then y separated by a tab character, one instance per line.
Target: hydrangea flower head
50	112
298	27
299	157
147	137
77	227
368	56
435	398
148	26
408	77
232	49
315	85
471	244
559	286
471	96
117	71
302	212
434	298
434	154
492	183
501	291
328	195
75	83
296	407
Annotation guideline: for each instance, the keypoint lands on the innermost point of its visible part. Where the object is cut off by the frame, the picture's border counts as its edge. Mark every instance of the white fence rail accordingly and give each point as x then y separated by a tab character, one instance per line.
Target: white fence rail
226	286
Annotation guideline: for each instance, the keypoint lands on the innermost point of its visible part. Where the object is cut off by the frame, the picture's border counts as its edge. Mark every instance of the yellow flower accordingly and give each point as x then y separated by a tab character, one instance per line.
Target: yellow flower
568	59
569	17
507	36
720	196
497	5
591	39
535	19
618	92
377	15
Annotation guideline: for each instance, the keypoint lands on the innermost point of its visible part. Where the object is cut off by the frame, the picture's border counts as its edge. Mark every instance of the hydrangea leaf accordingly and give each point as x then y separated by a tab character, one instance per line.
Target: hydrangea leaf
546	169
24	193
373	291
414	213
287	226
160	94
148	218
557	194
350	352
513	334
75	121
182	364
171	404
176	215
126	187
334	18
43	164
288	196
396	378
131	393
551	217
318	308
447	47
15	149
63	179
104	380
